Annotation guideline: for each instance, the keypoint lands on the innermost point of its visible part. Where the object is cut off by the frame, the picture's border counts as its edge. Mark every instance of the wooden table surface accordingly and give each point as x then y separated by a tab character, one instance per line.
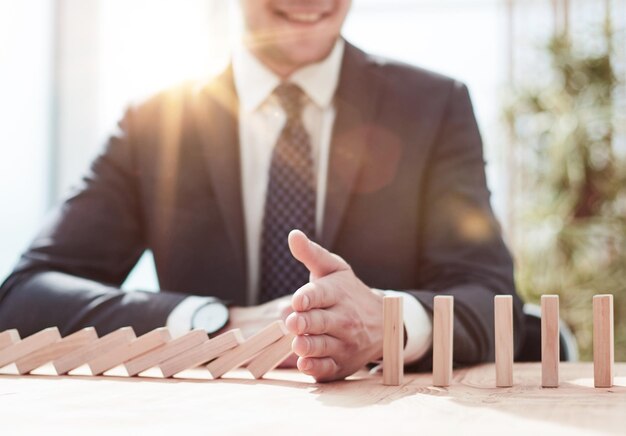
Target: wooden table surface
288	402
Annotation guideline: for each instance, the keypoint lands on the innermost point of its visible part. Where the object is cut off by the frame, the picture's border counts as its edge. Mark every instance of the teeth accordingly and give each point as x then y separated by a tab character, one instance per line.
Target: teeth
306	18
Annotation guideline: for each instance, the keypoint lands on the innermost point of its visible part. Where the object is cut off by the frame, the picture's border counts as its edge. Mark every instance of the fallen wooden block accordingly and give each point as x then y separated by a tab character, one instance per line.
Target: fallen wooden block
603	341
130	350
82	355
503	315
393	341
271	357
247	350
56	350
28	345
165	352
550	349
202	353
8	337
443	333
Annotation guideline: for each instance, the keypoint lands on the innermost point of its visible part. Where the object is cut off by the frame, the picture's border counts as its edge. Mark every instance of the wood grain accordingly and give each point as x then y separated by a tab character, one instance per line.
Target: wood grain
200	354
165	351
603	340
82	355
393	341
28	345
248	349
130	350
271	357
443	334
8	337
503	324
286	399
550	348
56	350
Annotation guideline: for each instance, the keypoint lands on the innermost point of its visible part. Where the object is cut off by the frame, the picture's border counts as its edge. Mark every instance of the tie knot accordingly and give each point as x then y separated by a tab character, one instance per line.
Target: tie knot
291	98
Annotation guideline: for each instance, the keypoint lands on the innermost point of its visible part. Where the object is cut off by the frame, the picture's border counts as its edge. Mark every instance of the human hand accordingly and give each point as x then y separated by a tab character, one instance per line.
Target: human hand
337	319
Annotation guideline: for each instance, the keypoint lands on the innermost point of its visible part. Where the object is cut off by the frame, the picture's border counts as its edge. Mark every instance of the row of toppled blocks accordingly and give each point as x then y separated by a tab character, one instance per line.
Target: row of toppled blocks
269	347
443	332
260	353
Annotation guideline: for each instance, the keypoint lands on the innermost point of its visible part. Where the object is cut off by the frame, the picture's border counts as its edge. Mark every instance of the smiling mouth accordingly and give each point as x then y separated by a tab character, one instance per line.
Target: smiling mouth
303	17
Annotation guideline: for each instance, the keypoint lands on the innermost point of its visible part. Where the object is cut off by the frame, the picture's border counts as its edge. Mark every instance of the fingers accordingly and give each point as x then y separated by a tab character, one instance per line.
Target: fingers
313	295
316	346
285	310
320	368
289	362
319	261
313	322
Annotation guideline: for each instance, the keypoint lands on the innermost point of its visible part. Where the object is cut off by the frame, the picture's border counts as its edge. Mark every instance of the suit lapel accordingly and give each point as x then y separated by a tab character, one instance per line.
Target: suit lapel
216	112
355	102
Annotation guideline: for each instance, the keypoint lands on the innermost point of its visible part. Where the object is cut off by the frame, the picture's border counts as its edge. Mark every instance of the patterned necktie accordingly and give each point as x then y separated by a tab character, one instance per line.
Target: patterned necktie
290	200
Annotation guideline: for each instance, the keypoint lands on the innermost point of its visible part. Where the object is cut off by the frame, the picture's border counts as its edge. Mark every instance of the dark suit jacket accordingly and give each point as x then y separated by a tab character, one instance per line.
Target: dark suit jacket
407	206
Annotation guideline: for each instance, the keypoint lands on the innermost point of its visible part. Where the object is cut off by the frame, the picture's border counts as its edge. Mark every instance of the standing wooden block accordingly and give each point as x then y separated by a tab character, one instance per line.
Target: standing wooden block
603	341
271	357
443	332
200	354
550	351
393	341
29	345
82	355
8	337
248	349
56	350
503	312
130	350
166	351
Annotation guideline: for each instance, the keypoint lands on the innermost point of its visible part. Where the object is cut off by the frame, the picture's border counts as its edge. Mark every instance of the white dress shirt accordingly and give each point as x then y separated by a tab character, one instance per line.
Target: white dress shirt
261	120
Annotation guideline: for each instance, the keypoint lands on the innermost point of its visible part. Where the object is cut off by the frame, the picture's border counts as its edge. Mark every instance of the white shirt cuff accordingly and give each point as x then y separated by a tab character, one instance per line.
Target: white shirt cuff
418	325
179	320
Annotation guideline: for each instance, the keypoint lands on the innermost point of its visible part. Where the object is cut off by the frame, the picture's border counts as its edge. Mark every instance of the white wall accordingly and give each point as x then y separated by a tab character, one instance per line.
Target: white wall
26	52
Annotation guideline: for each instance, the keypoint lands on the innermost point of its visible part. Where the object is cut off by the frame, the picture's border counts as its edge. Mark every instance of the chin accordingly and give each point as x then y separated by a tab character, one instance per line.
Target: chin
304	52
290	34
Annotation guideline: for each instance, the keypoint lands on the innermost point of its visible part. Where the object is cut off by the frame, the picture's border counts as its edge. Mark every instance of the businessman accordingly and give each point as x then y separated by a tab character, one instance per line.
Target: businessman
303	183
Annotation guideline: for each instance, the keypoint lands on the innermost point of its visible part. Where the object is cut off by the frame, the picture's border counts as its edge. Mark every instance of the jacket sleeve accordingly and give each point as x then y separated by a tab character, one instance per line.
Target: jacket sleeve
463	253
70	275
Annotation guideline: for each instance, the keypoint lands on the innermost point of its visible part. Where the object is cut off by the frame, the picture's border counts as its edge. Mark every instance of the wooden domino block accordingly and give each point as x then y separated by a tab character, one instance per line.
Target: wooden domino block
603	341
8	337
271	357
247	350
56	350
130	350
443	332
503	315
165	352
28	345
393	341
82	355
550	353
203	353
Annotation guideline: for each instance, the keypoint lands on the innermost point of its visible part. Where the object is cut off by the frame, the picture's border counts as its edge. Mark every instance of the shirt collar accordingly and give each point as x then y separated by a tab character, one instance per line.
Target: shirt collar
255	82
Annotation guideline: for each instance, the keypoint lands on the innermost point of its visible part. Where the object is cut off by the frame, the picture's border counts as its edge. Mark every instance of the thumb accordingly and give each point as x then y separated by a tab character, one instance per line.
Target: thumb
318	260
